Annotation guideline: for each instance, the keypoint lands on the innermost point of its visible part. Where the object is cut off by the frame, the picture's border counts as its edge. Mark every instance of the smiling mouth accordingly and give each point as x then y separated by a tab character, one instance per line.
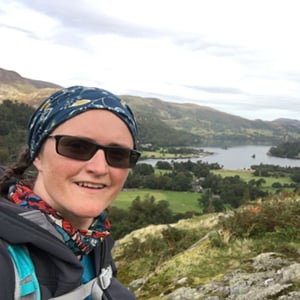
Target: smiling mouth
90	185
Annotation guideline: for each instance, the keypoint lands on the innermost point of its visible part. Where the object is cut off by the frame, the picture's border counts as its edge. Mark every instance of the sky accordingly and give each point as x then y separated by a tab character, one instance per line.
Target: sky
237	56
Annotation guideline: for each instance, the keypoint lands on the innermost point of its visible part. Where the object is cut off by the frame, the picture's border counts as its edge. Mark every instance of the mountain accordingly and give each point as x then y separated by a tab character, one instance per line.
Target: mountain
170	124
15	87
202	125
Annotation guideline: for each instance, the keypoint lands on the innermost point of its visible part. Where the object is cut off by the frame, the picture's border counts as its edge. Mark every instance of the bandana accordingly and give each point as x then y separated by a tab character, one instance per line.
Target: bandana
79	241
66	104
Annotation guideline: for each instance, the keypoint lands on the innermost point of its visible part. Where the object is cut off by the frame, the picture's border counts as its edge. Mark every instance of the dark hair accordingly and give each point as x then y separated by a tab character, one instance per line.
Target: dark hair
16	171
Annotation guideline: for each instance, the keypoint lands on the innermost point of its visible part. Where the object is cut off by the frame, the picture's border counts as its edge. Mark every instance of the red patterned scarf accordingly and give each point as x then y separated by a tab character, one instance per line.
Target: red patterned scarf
78	240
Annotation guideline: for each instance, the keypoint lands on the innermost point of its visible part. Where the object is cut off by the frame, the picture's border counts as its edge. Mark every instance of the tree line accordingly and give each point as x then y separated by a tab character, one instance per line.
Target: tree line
286	150
216	195
178	176
215	192
14	117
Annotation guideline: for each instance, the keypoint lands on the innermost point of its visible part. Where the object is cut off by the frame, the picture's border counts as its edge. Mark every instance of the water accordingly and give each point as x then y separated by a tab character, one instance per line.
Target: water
238	158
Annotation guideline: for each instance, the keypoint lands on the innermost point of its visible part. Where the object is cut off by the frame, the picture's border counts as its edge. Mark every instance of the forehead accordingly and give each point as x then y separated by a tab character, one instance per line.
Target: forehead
100	125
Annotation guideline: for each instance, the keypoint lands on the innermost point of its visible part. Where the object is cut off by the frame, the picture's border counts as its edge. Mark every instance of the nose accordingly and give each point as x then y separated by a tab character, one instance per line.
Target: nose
97	164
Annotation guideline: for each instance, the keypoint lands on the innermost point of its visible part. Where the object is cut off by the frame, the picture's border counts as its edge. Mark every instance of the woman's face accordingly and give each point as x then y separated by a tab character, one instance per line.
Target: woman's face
81	190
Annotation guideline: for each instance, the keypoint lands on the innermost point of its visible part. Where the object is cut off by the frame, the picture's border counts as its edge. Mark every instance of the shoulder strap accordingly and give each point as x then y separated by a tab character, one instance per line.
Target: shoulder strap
94	287
26	283
27	286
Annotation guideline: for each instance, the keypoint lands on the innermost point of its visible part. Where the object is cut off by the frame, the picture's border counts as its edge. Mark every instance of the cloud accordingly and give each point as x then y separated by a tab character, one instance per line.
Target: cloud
236	56
217	90
86	17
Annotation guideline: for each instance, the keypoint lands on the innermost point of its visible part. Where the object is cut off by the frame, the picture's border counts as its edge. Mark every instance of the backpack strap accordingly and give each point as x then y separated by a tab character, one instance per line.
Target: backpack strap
94	287
26	283
27	286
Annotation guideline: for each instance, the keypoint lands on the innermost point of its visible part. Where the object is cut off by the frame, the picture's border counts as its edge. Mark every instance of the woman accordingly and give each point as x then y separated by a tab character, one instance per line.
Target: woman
81	142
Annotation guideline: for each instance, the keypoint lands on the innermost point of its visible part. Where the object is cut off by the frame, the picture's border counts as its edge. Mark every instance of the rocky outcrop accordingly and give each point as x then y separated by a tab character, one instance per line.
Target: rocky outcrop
270	276
208	270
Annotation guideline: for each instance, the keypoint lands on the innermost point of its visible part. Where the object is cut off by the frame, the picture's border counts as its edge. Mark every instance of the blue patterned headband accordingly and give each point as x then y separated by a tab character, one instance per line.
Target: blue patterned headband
69	102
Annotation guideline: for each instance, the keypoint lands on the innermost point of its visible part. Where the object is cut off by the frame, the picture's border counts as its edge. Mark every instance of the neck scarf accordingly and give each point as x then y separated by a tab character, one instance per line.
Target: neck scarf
80	241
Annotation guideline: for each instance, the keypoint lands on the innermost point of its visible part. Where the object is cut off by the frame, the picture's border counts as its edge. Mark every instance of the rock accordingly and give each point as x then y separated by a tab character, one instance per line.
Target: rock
182	281
268	261
272	276
185	293
135	284
290	296
291	273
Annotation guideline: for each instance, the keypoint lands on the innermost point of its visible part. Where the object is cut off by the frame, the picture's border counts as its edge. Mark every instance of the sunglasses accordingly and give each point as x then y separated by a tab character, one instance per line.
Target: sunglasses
83	149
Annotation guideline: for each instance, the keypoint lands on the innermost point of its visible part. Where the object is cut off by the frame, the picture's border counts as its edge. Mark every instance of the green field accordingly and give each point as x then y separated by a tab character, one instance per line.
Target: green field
247	175
180	202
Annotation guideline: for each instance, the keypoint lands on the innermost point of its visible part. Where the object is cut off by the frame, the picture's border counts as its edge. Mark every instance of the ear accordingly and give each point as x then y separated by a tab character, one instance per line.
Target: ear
37	163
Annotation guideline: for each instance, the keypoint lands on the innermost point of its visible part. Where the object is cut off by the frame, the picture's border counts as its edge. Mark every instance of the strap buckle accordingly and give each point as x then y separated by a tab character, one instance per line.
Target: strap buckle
105	277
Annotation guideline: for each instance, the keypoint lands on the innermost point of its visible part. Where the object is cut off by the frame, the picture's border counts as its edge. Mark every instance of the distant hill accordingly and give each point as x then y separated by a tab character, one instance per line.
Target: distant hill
202	125
170	124
15	87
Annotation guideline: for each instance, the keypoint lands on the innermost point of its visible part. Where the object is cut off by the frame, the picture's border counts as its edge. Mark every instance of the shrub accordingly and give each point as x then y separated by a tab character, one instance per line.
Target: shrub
276	219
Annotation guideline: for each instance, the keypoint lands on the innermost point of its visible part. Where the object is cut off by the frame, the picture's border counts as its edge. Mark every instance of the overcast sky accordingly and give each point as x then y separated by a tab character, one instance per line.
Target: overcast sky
240	57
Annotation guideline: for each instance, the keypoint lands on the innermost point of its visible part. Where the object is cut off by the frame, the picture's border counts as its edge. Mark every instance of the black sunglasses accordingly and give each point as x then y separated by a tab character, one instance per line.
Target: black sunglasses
83	149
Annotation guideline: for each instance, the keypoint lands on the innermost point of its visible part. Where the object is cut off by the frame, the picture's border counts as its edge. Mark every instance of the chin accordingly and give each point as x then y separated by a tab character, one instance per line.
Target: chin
89	213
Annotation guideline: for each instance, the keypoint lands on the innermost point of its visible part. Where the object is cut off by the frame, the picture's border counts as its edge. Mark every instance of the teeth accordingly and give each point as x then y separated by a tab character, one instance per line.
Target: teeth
90	185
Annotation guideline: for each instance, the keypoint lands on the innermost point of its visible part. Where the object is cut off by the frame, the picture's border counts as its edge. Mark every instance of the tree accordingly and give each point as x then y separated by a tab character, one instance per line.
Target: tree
182	182
163	165
14	117
141	213
143	169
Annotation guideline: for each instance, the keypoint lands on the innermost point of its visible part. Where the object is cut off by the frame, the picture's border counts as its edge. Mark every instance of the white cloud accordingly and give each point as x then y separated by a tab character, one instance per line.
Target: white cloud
237	56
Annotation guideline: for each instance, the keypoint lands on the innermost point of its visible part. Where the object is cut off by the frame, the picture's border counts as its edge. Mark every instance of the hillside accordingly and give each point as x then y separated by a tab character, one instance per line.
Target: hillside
204	126
182	124
250	253
15	87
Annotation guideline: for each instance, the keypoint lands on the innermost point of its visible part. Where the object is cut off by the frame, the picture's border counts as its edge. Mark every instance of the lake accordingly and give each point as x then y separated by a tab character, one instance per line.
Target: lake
238	158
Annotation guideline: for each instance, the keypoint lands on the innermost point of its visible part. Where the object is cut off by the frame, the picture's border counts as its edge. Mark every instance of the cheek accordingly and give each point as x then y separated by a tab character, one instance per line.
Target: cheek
45	159
119	176
51	166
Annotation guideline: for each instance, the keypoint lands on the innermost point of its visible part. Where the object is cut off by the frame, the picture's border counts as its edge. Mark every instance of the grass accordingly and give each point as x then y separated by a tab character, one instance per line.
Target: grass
200	264
180	202
172	255
247	175
164	154
166	258
157	155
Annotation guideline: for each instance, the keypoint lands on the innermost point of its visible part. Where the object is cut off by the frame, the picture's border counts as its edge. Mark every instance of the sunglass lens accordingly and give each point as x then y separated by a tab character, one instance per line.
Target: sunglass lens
75	148
118	157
